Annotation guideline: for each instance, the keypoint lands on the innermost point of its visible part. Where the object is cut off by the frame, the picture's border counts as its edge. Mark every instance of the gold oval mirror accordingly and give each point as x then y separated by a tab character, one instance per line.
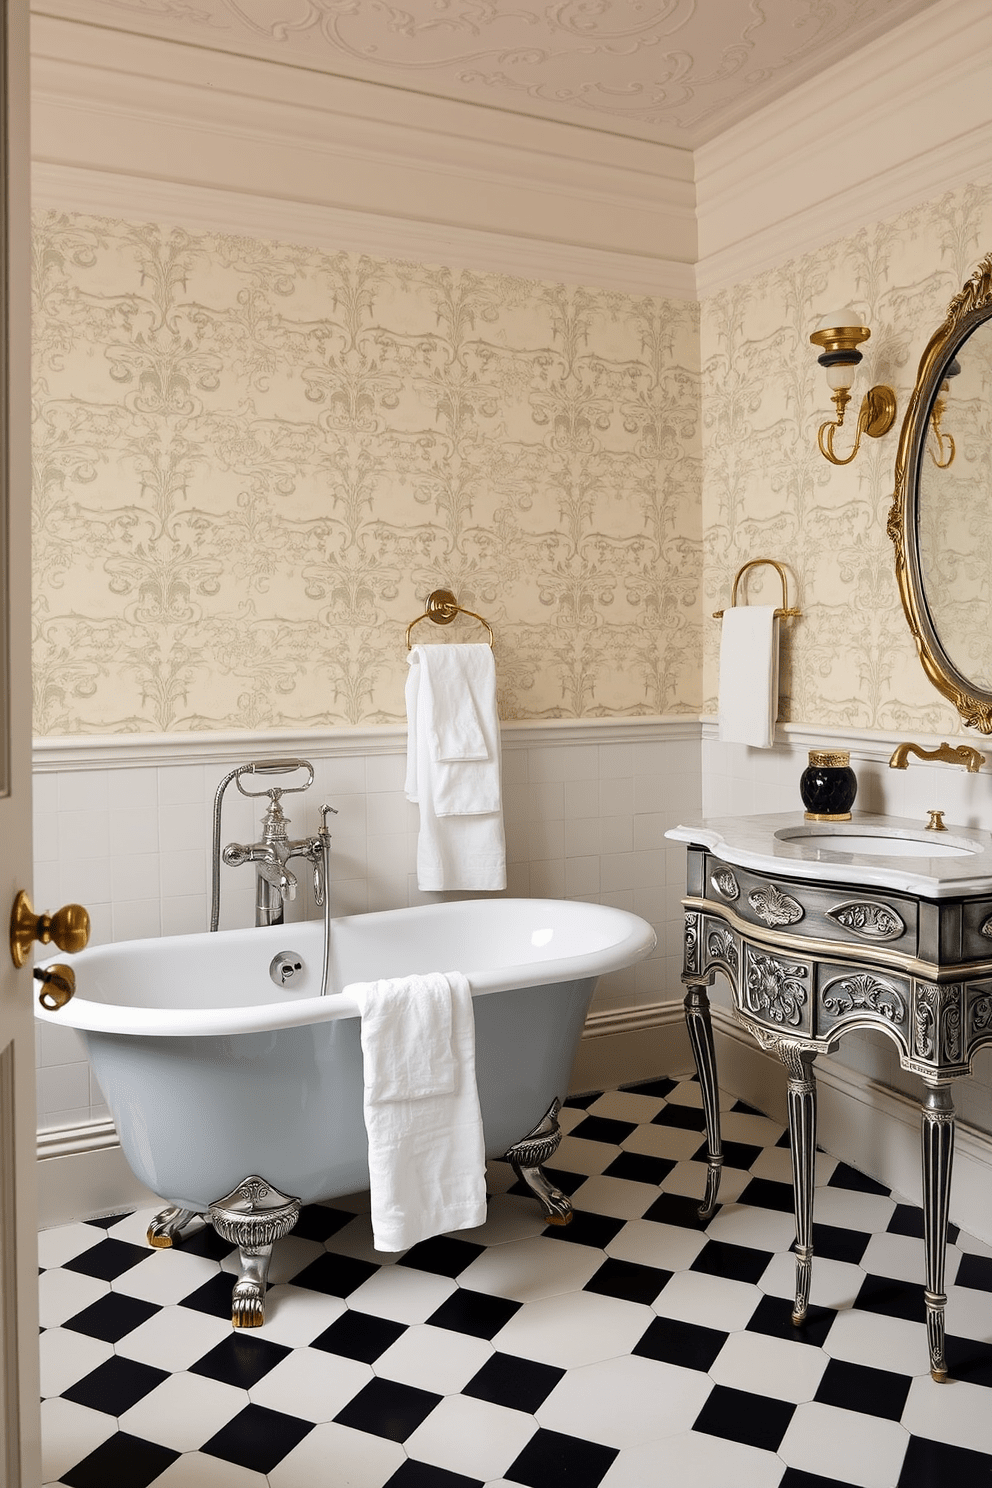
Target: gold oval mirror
941	517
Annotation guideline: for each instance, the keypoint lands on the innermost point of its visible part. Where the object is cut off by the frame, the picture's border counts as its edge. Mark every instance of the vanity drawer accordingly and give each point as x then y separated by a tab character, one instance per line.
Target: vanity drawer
814	911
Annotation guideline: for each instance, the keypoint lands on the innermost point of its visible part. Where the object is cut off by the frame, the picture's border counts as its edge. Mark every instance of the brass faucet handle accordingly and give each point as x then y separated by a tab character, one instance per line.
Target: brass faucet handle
68	927
936	822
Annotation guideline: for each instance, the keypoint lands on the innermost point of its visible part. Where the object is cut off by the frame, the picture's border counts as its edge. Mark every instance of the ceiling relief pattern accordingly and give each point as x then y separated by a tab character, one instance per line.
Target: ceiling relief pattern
675	71
254	461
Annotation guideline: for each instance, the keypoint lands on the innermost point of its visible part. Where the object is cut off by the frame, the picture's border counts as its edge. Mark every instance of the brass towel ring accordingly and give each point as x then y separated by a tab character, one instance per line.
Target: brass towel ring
780	614
442	607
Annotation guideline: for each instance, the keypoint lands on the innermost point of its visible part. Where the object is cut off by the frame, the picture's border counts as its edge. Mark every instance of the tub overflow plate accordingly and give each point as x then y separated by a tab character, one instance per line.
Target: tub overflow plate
284	966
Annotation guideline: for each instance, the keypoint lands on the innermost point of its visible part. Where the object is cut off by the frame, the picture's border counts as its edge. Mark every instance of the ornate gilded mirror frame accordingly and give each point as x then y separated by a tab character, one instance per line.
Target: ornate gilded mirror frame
968	309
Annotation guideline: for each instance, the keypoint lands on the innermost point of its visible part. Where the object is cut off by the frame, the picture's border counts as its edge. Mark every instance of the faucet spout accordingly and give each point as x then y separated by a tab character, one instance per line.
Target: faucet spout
961	754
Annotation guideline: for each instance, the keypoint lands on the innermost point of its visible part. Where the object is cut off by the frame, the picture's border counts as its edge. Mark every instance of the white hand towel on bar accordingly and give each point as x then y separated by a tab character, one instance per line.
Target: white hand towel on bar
453	767
749	675
427	1161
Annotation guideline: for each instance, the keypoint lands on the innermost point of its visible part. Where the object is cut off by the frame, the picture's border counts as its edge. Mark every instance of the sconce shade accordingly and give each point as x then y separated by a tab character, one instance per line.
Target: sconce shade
839	334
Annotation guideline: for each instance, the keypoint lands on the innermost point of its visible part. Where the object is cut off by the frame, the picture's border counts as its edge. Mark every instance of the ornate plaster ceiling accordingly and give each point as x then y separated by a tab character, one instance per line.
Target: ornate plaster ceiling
674	71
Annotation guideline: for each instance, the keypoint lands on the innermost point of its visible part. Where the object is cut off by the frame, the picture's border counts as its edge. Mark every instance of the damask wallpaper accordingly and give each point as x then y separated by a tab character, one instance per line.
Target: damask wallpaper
849	662
254	461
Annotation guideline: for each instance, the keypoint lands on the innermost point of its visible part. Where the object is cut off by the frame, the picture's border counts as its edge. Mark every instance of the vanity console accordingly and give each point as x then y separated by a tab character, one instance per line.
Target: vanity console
821	930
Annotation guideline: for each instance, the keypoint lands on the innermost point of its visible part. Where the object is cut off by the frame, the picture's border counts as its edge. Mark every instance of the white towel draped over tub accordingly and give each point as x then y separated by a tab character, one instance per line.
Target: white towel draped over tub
749	675
453	767
427	1161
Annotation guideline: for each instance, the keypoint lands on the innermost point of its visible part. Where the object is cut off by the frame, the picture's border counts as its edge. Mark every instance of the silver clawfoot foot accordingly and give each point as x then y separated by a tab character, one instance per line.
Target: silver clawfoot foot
938	1154
700	1029
164	1230
253	1217
525	1158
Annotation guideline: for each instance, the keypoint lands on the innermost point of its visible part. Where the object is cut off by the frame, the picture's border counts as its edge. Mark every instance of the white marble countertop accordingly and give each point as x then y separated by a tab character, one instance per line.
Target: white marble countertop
785	844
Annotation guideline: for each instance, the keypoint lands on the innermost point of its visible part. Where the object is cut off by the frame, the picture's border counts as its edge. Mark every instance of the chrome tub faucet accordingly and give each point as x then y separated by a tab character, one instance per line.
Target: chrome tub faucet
275	883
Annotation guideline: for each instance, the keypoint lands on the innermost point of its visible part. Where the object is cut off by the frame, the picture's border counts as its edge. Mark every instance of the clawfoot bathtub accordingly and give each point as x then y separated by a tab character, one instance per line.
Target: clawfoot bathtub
242	1100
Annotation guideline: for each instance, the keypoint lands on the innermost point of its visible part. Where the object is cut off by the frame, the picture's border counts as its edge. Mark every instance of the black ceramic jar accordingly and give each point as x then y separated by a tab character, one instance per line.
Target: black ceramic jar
828	785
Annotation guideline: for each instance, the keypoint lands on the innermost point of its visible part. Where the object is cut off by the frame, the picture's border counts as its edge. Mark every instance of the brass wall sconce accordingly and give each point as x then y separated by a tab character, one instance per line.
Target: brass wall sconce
840	333
944	442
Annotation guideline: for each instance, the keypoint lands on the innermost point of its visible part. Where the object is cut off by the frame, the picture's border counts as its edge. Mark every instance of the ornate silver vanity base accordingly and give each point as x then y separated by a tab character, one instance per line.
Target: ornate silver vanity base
526	1156
253	1217
166	1228
700	1029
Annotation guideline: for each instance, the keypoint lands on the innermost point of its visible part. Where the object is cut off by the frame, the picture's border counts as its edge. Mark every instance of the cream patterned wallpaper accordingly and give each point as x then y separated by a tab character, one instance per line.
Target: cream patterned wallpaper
254	461
767	492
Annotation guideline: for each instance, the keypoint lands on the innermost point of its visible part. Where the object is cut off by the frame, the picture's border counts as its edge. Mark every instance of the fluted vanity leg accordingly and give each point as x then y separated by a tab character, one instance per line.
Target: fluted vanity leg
165	1229
802	1136
526	1157
697	1017
938	1154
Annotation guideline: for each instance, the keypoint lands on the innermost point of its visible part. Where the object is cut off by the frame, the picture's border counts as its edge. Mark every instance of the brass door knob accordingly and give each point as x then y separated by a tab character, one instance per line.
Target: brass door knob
68	928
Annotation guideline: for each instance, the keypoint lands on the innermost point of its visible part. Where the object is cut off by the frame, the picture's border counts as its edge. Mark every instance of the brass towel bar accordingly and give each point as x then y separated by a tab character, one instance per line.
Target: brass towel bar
442	607
781	614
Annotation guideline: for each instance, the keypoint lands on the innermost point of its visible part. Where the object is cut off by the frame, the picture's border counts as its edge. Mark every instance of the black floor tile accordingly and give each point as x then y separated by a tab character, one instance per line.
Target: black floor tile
855	1387
105	1221
976	1272
845	1177
737	1415
320	1222
442	1256
586	1228
735	1155
892	1298
837	1244
205	1242
120	1460
335	1275
764	1193
794	1477
935	1463
628	1280
773	1316
213	1297
425	1475
970	1359
359	1335
551	1457
112	1317
519	1384
677	1209
685	1344
115	1385
387	1408
735	1262
560	1177
908	1220
640	1168
580	1102
741	1108
258	1438
109	1259
603	1129
661	1088
476	1313
240	1360
688	1118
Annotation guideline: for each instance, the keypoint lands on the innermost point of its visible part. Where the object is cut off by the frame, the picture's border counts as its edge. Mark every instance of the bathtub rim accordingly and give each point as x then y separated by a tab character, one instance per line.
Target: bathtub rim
635	939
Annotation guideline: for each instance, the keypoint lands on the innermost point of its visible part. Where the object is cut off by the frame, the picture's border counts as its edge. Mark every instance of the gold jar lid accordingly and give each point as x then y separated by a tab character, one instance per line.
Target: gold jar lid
830	758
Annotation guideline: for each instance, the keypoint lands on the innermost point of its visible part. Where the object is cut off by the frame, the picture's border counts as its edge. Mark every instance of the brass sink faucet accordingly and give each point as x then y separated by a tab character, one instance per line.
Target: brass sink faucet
961	754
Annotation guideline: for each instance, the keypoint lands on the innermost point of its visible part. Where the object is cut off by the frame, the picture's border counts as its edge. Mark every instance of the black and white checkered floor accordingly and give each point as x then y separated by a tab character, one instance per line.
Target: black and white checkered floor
632	1349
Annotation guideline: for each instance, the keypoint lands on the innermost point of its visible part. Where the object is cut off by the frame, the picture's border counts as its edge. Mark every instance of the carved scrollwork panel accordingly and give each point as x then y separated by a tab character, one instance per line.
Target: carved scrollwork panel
722	945
774	988
726	884
868	919
775	908
691	943
863	992
937	1022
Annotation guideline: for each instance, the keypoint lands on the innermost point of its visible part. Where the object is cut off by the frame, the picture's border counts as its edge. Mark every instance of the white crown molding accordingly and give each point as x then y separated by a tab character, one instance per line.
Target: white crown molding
131	751
136	110
64	188
898	123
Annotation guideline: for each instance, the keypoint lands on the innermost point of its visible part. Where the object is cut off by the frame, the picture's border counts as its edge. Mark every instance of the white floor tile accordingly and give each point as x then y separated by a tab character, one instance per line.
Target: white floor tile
311	1384
621	1198
289	1257
879	1342
359	1460
295	1316
69	1432
851	1210
775	1164
667	1247
758	1131
834	1284
864	1451
694	1460
355	1239
785	1370
65	1242
472	1437
436	1359
626	1105
184	1411
402	1293
673	1142
66	1356
689	1179
625	1401
901	1257
530	1269
133	1228
165	1281
969	1245
761	1229
574	1329
710	1301
955	1412
576	1155
509	1217
198	1470
174	1338
969	1312
61	1294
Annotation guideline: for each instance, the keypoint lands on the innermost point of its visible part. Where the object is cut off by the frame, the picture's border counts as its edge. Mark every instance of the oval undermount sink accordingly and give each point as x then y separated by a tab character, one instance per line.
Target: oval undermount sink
877	844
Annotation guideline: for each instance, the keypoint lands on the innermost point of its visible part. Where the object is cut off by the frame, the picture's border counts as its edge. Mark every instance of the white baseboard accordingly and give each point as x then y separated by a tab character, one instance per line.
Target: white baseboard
82	1172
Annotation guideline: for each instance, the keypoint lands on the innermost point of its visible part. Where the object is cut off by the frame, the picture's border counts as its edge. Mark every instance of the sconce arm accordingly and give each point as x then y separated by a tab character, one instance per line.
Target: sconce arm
878	414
